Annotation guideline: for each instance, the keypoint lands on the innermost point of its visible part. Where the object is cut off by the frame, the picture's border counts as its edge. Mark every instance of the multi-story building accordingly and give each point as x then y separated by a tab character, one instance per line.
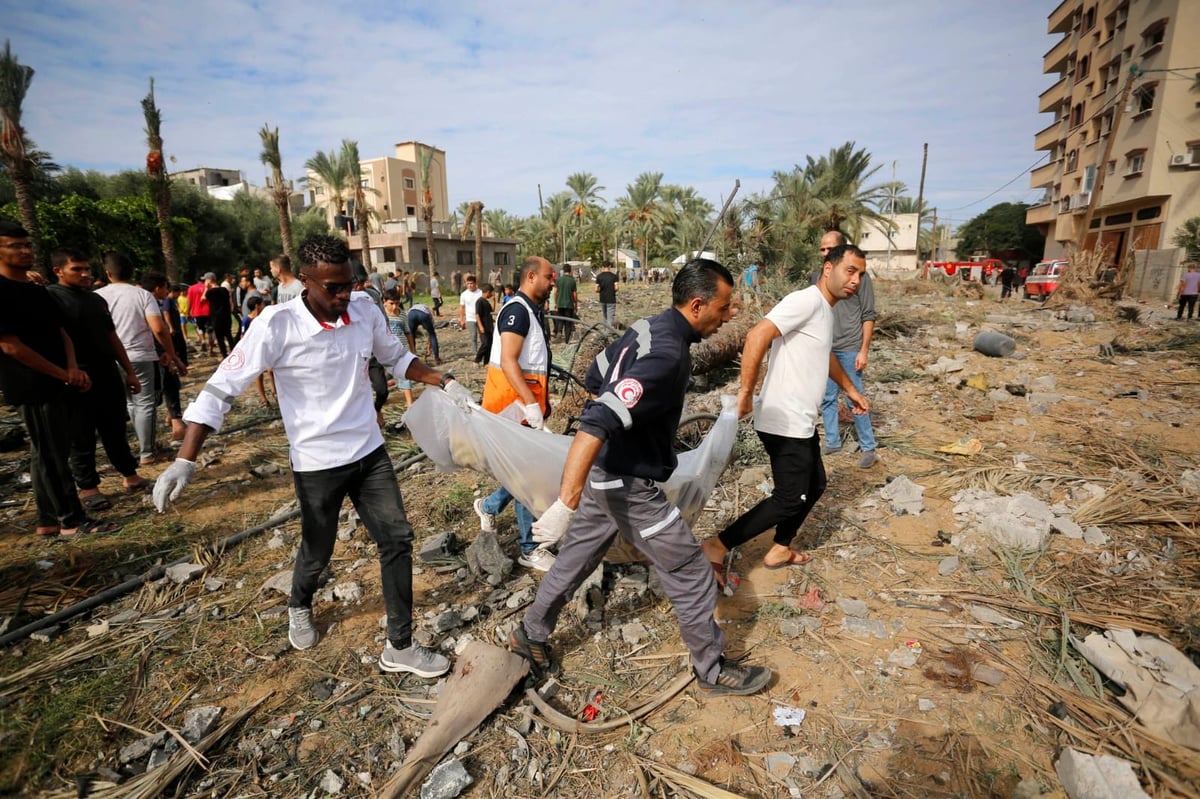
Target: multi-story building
890	251
1152	176
207	176
393	186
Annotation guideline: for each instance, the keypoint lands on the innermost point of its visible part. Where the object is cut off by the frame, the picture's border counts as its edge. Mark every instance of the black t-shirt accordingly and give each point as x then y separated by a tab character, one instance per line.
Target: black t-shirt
483	312
514	318
607	281
87	321
27	312
218	303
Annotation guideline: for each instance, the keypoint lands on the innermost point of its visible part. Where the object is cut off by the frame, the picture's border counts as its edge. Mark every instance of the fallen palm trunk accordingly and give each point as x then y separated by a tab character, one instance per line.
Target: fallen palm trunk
484	676
723	347
560	721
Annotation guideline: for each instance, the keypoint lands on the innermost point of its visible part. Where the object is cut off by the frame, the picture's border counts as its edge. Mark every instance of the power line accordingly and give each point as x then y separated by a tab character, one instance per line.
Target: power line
1025	172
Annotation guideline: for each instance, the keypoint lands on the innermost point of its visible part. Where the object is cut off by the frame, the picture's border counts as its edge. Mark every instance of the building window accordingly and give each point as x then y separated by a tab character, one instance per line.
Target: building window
1127	54
1089	178
1193	152
1112	166
1085	64
409	183
1152	37
319	190
1145	99
466	257
389	254
1149	213
1077	115
1089	19
1106	123
1072	160
425	256
500	259
410	210
1135	160
365	183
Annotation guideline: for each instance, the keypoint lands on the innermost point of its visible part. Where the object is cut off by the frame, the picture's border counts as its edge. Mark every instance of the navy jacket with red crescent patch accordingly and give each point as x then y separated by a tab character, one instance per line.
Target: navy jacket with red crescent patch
639	383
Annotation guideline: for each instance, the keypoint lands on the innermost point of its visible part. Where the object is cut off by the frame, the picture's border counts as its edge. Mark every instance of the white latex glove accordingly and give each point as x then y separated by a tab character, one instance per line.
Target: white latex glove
170	484
553	524
459	394
534	417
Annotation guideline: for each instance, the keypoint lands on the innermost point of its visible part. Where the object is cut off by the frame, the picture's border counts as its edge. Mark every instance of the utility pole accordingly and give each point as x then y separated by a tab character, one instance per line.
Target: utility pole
1102	166
933	242
921	198
891	218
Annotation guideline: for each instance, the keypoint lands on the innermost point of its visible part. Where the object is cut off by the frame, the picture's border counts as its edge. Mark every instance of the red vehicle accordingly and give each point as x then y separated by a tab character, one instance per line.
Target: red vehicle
1044	279
982	269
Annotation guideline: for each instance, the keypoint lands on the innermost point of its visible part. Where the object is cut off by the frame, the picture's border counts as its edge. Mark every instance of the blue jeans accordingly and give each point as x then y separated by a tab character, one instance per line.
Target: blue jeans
829	408
498	501
420	319
371	485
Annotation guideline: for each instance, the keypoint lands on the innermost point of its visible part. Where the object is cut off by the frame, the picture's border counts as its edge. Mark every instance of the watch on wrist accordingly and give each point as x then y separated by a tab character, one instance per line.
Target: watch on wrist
446	378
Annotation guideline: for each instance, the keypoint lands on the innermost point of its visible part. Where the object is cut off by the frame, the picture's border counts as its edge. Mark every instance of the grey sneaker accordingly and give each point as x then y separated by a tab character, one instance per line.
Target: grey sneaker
301	632
868	459
487	521
737	680
540	559
416	659
828	450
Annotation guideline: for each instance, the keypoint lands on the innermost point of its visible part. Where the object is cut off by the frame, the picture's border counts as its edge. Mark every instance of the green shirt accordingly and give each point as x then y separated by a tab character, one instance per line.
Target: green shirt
566	288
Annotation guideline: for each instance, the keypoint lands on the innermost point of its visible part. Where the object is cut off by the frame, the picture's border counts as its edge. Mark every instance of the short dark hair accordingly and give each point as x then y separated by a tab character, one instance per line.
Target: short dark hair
468	276
63	256
12	230
283	262
486	287
392	295
253	302
152	280
323	249
835	255
566	269
699	277
118	266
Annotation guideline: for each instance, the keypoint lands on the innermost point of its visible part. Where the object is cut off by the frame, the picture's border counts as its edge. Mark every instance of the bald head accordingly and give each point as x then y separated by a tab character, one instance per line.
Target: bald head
831	239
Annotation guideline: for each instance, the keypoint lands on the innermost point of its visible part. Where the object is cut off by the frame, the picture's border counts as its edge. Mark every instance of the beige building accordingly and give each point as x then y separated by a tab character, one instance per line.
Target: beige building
1152	177
393	185
401	244
207	176
900	258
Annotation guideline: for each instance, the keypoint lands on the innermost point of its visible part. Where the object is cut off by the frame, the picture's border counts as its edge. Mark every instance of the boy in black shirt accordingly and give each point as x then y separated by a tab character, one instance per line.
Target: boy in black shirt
483	318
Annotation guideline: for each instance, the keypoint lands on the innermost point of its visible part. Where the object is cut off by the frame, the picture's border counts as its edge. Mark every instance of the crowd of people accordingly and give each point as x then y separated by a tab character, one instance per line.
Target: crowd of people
81	363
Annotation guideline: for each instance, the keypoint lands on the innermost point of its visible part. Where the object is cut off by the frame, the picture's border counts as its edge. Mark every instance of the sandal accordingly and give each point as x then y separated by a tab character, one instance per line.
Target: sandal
139	487
91	527
794	559
92	502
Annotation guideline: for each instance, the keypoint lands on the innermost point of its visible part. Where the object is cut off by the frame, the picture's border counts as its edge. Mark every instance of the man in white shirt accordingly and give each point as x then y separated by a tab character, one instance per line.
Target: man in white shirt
138	319
318	348
799	333
466	310
289	286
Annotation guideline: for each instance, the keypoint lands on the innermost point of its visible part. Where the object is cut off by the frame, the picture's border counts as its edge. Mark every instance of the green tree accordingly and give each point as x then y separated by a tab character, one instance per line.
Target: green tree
841	197
15	147
1188	234
281	190
1001	229
332	175
354	167
644	213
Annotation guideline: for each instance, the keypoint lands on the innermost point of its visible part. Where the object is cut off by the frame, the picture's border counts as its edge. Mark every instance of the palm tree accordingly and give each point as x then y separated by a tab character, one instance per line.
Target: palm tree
474	213
350	157
15	78
160	184
557	213
501	223
842	199
605	226
281	190
332	175
643	211
426	203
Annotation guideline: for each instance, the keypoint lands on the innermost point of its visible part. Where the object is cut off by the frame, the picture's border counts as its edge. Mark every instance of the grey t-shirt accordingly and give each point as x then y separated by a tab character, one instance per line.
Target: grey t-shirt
130	307
849	315
288	291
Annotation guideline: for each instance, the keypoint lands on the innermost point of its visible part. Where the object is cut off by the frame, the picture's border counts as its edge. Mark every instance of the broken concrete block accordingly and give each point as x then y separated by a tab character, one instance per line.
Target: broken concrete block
213	584
945	365
1086	776
905	496
1095	536
484	555
98	629
348	592
853	607
865	628
447	621
1067	527
141	747
987	615
904	657
181	573
1189	482
1044	383
634	632
446	781
331	783
437	547
948	565
925	705
281	582
794	628
199	722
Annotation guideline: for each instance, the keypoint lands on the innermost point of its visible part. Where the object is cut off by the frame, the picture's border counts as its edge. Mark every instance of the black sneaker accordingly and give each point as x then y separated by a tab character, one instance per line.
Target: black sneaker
737	680
536	652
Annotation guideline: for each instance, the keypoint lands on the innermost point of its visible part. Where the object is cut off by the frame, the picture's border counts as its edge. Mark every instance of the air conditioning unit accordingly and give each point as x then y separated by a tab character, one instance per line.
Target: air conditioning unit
1181	159
1080	201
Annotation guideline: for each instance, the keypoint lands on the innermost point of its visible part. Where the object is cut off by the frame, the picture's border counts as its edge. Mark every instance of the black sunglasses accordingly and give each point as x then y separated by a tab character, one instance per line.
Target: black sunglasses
332	289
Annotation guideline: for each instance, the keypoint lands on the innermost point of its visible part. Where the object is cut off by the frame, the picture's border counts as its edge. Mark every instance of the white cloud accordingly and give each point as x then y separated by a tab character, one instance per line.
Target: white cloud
526	93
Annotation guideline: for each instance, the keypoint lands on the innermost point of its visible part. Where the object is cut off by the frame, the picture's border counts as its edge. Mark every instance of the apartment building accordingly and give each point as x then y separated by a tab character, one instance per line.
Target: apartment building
1152	176
394	186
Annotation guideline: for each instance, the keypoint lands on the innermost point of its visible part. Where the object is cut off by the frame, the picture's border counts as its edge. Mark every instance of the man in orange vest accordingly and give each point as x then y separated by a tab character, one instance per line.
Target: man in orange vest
517	389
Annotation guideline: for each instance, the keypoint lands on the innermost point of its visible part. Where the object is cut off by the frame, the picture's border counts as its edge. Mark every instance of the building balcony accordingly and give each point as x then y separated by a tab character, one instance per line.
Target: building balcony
1055	59
1044	175
1047	137
1060	18
1041	214
1052	98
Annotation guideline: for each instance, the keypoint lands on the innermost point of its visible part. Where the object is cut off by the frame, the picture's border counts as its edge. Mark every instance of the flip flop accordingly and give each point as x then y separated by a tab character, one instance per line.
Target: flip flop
93	502
91	527
794	559
139	487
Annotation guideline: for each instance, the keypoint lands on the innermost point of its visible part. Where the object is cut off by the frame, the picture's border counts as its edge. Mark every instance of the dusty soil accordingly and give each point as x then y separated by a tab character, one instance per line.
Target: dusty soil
885	716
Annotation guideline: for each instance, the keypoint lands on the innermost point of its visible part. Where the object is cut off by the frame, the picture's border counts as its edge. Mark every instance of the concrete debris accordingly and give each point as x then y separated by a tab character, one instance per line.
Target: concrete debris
1044	383
484	556
794	628
945	365
277	541
948	566
1022	520
853	607
437	547
1078	314
182	573
348	592
988	615
445	622
1067	527
925	705
212	584
906	496
1189	482
1095	536
634	632
199	722
46	634
142	747
281	582
1085	776
903	656
331	783
865	628
446	781
98	629
519	598
779	764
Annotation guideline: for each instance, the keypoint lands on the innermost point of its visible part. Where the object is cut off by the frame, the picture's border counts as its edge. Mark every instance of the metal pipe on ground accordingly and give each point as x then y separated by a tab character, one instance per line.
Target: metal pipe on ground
133	583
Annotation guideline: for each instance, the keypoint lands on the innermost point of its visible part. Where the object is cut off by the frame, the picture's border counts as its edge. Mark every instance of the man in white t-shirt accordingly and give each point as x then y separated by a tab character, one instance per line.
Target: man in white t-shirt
466	310
288	286
799	333
139	322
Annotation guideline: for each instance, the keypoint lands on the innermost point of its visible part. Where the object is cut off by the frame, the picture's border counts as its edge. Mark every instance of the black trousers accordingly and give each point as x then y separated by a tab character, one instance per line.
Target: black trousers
49	427
100	411
484	353
371	485
223	332
799	477
1186	301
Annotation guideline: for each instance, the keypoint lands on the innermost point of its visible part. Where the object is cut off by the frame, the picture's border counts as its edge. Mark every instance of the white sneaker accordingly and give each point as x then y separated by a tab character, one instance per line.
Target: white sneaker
540	559
301	632
416	659
487	521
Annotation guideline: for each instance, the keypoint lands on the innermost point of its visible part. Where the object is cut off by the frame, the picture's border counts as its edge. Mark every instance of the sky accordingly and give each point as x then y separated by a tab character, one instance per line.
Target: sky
525	93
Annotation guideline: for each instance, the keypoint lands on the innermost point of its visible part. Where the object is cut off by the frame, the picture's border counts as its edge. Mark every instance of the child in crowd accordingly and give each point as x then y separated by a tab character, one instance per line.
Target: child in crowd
397	320
483	318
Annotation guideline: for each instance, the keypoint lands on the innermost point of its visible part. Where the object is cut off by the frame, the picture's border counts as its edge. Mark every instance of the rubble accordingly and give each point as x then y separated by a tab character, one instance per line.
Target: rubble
446	781
181	573
905	496
1086	776
484	556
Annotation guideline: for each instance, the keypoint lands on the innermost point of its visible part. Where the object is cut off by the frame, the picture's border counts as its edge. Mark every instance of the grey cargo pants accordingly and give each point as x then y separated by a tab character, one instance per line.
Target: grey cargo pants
637	509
